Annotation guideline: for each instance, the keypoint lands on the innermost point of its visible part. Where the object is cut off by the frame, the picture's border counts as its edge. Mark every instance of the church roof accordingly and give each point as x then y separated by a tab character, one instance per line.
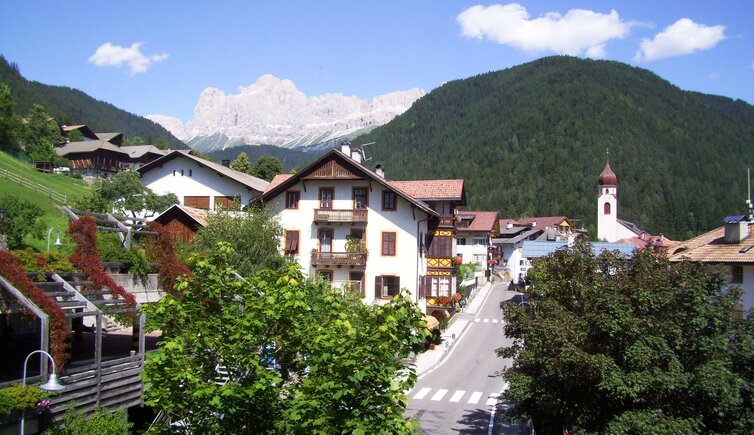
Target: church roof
607	176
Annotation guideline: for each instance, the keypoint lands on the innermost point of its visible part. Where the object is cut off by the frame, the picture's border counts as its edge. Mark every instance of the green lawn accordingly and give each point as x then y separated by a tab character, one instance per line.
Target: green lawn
53	217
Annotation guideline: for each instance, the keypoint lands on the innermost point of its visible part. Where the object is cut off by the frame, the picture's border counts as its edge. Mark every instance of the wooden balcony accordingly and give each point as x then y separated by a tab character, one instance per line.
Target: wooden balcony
322	215
339	258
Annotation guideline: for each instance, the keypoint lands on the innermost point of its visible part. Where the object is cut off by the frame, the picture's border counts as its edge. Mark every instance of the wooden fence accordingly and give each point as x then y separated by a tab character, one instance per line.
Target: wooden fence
55	196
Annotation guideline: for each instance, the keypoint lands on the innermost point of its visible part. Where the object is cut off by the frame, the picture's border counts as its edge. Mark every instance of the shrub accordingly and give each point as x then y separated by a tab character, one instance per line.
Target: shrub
103	422
20	397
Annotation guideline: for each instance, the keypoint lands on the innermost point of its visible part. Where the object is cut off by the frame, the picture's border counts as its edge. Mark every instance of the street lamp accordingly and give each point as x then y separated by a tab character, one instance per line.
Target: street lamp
57	239
51	385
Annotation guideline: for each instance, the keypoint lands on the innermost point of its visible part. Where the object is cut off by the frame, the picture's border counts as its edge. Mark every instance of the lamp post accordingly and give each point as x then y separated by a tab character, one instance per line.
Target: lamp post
51	385
57	239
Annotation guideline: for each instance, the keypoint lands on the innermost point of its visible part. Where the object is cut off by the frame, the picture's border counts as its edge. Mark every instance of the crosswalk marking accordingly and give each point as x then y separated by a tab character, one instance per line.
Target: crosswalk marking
439	395
480	320
486	320
423	392
475	397
492	399
457	396
477	320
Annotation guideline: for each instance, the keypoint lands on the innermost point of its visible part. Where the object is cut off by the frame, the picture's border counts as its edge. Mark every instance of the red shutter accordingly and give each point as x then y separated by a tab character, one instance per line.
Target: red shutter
377	287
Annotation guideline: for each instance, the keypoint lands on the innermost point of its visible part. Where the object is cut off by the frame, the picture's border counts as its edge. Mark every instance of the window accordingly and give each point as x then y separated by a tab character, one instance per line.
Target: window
388	244
736	274
325	197
196	201
291	198
386	286
480	258
388	200
357	233
228	202
360	197
356	283
191	172
606	208
439	285
325	239
440	247
462	241
325	274
291	242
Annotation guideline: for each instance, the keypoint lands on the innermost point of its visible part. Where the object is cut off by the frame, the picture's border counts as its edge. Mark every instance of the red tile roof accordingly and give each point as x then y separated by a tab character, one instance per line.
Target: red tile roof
279	179
432	190
709	248
483	220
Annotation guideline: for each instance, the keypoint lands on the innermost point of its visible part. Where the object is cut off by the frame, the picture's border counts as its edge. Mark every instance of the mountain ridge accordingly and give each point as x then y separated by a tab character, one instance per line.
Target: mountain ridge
272	111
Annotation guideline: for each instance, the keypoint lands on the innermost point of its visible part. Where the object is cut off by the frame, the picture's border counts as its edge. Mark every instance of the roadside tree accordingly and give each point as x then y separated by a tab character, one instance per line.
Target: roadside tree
277	353
629	345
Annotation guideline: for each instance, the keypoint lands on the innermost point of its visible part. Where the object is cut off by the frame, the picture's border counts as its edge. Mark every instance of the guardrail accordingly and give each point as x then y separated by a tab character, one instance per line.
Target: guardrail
55	196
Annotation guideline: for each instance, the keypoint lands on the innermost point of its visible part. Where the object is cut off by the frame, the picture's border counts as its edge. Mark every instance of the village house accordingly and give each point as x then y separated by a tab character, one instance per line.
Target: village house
351	226
474	233
200	183
728	249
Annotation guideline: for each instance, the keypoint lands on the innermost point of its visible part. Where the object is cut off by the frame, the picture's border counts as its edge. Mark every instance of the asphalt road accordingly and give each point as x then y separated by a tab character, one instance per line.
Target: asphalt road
459	394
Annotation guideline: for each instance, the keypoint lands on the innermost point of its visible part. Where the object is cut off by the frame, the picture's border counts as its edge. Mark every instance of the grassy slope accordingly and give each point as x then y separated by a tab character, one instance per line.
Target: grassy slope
52	217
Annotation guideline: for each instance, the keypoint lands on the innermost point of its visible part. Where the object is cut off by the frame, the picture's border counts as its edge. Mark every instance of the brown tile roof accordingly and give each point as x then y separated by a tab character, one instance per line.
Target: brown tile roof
88	146
279	179
709	248
483	220
432	190
544	221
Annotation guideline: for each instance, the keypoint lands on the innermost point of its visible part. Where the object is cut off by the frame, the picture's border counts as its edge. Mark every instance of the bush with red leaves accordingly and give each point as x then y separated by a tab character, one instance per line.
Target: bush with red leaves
86	258
13	270
162	250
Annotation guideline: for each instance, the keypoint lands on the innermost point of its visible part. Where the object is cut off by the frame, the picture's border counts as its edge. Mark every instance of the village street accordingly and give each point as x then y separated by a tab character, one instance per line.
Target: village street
458	393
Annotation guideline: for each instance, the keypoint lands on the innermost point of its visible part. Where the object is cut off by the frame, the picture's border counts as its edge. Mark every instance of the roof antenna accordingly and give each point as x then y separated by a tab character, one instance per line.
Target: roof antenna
748	201
363	153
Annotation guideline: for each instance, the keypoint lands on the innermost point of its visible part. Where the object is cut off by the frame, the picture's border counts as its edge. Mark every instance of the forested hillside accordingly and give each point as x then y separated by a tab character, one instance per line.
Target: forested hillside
289	157
71	106
531	140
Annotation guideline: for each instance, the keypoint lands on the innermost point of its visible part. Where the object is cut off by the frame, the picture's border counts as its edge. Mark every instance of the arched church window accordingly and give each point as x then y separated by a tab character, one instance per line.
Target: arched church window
607	208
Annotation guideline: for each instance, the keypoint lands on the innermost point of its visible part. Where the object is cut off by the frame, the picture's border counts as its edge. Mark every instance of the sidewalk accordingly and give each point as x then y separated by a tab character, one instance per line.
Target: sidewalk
456	327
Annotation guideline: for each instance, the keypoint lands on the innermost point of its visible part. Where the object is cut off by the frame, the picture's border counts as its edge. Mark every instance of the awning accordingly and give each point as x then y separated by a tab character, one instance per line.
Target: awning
431	321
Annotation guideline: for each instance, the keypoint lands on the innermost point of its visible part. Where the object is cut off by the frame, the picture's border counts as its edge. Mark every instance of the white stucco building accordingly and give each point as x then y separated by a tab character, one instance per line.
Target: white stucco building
200	183
363	233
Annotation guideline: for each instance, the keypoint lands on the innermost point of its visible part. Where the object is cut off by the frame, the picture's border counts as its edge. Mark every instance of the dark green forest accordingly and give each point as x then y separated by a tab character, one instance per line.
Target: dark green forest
532	140
289	157
71	106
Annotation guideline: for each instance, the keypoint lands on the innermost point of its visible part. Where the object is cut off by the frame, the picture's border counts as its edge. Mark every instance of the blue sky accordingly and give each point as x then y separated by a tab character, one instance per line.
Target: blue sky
155	57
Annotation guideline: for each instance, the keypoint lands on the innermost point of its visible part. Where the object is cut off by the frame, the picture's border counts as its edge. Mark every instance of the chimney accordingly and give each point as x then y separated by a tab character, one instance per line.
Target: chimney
345	147
356	155
534	224
380	170
226	163
736	229
509	225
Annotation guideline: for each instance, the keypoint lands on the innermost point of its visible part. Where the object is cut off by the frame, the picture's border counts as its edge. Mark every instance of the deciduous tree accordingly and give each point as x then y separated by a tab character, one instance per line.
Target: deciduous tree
629	345
129	196
266	167
277	353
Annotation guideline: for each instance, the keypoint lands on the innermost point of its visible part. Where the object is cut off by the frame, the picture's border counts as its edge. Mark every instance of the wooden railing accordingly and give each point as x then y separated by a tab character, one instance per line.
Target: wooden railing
339	258
322	215
55	196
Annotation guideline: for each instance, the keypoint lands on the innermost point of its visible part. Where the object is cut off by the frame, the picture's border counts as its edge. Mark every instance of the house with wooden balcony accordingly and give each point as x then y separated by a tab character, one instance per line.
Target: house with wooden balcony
349	225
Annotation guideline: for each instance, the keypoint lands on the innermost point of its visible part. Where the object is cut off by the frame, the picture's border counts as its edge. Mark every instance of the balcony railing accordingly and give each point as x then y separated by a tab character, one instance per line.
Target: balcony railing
348	287
322	215
339	258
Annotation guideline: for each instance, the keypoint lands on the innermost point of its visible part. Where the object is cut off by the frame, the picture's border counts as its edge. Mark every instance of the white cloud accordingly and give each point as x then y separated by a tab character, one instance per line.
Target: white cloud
680	38
578	31
109	54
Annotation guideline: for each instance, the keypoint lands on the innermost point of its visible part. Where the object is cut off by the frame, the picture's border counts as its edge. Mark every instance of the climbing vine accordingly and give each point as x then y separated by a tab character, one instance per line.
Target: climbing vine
86	258
161	249
13	270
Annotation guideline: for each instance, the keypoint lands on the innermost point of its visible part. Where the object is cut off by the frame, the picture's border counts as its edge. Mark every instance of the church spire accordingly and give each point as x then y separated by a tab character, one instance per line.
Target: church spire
607	176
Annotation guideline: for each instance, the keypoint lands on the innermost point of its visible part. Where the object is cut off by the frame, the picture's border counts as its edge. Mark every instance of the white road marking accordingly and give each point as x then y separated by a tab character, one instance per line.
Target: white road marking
423	392
492	399
477	320
494	320
474	399
486	320
457	396
439	395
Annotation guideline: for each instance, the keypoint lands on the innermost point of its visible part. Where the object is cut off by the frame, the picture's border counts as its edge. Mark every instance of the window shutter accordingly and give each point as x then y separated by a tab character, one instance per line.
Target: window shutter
423	287
377	287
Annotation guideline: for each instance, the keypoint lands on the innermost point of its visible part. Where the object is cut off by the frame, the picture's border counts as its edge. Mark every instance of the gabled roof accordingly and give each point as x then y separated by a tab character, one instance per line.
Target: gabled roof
710	248
88	146
198	215
433	190
278	179
282	182
137	151
521	233
633	227
86	131
114	138
247	180
482	221
537	249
